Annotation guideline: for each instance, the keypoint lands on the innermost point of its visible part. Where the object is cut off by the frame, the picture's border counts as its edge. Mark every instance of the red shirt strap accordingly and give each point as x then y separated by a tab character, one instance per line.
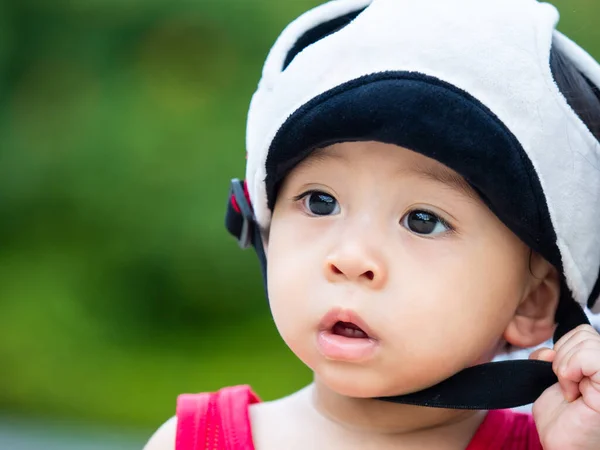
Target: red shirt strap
215	421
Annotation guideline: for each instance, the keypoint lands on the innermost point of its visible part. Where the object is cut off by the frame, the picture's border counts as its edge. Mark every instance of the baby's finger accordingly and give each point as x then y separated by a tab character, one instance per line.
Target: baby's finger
563	349
581	363
543	354
590	392
575	336
580	333
565	354
570	389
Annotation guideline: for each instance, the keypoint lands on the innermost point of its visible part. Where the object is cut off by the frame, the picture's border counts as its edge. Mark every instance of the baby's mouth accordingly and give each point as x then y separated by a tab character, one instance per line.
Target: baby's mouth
349	330
344	336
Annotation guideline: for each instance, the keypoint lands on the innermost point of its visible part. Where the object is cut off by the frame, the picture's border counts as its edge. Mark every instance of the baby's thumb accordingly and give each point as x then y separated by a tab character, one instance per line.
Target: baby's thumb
543	354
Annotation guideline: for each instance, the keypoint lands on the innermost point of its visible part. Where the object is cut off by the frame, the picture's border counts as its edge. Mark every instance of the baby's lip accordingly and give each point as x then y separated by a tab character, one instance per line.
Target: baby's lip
336	315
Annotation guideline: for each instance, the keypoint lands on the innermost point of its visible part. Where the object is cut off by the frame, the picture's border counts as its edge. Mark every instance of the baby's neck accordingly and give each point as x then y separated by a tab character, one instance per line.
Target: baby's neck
392	423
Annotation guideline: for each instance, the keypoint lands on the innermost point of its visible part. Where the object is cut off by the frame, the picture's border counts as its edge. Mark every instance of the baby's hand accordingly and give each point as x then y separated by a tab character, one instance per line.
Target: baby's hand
567	414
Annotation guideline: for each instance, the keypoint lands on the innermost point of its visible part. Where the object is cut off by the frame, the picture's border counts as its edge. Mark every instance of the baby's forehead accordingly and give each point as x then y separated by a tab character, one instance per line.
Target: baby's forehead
402	161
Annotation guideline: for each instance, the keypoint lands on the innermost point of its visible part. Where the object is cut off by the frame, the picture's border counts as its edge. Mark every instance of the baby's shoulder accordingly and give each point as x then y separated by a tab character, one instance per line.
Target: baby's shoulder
164	437
269	425
284	423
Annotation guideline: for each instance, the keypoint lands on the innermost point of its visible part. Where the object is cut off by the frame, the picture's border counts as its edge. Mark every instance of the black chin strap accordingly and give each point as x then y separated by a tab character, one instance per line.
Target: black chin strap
494	385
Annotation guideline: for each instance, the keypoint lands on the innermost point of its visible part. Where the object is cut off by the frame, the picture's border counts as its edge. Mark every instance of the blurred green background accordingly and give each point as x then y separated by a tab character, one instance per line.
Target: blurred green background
121	123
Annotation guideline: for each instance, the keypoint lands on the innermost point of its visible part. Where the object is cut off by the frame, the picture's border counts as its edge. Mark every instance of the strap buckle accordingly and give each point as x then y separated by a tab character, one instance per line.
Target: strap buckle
240	199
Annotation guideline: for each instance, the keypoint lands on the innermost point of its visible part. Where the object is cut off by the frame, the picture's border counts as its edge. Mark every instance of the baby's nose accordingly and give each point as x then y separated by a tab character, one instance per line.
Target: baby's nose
356	264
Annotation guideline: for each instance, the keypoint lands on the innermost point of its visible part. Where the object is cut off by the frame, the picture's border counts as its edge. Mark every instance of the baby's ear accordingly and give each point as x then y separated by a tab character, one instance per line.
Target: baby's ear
533	322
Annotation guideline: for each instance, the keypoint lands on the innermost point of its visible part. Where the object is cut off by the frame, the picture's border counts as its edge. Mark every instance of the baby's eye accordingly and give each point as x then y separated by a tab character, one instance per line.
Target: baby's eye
320	204
425	223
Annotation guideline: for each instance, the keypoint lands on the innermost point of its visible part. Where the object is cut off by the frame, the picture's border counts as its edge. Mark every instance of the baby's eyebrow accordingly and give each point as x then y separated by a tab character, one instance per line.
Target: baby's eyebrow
448	178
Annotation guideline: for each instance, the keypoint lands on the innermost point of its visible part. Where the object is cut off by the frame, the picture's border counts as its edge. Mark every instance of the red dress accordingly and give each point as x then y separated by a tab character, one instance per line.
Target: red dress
220	421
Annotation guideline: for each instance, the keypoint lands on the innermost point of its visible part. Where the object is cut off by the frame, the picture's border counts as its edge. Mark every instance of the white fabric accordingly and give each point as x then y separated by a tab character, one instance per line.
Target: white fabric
496	50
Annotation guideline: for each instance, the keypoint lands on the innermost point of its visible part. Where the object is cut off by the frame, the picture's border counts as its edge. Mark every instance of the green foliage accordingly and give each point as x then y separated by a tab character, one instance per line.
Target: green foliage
121	123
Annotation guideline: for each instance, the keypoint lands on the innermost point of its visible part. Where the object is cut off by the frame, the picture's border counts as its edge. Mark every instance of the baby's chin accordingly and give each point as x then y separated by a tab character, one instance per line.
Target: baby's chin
367	384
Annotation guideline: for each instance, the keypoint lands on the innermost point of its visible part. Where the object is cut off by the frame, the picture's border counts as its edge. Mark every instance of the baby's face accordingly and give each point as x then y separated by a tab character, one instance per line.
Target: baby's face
386	273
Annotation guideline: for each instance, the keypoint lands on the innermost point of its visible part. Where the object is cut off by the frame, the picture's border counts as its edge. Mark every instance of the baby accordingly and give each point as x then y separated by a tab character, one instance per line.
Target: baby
422	192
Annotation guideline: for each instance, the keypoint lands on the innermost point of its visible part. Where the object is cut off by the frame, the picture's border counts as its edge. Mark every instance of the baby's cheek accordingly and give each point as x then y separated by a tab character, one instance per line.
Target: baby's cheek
289	315
448	326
